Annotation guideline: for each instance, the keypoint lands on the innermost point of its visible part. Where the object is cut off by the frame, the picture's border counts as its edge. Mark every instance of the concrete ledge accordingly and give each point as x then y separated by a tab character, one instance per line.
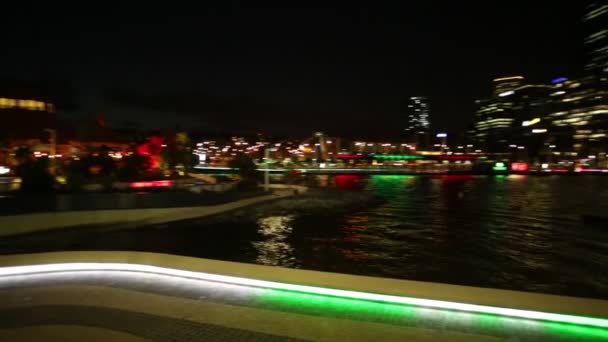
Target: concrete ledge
436	291
28	223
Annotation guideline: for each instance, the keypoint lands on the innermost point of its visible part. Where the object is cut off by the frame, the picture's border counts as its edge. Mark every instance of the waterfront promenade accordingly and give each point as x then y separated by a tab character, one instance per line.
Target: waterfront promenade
131	296
34	222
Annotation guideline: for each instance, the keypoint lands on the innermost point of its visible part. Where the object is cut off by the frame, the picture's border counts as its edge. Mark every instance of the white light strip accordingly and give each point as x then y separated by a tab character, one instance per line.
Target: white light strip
67	267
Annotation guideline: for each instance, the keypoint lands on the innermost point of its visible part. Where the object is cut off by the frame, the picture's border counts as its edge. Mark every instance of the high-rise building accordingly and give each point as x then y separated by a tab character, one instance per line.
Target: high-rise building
568	115
596	41
418	122
501	121
504	85
579	114
579	106
493	121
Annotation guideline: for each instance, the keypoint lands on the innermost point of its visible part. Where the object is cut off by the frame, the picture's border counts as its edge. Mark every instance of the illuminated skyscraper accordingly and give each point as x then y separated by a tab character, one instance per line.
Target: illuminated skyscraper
579	109
501	121
504	85
596	41
418	124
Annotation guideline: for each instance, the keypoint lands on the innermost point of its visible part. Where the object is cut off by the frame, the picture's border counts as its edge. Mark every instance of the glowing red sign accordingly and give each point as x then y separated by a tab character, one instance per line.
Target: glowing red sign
152	184
519	167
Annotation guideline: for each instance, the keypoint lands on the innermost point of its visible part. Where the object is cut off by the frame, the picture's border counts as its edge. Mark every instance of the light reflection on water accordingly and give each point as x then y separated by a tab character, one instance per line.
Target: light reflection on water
274	249
514	232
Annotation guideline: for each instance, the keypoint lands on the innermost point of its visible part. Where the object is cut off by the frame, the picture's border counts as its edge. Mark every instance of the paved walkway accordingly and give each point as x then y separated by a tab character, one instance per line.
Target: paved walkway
28	223
134	306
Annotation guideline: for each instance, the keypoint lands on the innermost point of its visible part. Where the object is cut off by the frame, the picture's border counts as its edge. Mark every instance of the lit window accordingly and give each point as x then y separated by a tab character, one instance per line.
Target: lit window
7	103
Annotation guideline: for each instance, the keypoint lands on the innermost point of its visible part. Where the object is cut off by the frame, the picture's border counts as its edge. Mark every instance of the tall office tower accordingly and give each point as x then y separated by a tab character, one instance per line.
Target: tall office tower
418	122
596	41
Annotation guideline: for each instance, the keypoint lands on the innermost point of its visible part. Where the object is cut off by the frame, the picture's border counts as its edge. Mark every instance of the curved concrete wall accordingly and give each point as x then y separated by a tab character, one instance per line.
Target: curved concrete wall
436	291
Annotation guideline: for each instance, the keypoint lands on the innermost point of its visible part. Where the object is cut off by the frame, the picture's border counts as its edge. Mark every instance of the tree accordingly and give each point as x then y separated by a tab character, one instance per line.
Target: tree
4	152
246	170
23	154
35	176
134	167
177	152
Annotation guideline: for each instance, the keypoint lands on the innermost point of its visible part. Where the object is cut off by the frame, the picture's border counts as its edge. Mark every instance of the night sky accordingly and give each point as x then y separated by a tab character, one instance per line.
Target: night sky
289	69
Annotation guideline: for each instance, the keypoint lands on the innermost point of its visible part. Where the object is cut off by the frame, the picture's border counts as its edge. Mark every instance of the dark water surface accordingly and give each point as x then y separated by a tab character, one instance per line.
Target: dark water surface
514	232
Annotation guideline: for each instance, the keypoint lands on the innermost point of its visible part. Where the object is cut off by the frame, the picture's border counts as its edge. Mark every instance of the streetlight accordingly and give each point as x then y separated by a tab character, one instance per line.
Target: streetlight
443	137
266	174
52	147
52	140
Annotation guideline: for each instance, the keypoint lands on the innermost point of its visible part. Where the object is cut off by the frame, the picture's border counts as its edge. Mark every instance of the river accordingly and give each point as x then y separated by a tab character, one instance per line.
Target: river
515	232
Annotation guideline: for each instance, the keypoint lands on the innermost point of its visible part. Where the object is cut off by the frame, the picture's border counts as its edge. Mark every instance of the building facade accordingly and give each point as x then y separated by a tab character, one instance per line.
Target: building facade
579	106
503	121
418	121
596	41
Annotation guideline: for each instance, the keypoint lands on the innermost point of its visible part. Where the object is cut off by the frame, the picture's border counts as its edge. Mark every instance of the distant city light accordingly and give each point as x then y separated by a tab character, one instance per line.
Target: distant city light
4	170
398	156
544	166
539	130
508	78
530	122
506	93
558	80
441	135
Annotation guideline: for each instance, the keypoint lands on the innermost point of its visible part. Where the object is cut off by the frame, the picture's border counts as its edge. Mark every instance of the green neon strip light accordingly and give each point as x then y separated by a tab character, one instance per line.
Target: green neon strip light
398	156
376	297
504	327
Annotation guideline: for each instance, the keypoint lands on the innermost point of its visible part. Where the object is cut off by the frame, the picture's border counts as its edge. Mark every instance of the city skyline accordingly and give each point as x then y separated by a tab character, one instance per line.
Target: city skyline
359	70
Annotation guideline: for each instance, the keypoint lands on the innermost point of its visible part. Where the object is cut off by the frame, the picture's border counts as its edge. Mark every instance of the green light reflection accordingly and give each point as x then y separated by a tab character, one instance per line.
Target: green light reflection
391	177
430	318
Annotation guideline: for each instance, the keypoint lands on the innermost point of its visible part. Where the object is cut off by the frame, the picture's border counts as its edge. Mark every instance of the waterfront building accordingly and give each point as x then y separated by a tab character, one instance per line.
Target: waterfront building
579	106
502	122
418	121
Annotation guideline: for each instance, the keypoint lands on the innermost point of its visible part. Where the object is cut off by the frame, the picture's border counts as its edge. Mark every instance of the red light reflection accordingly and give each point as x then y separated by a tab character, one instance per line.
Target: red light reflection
348	181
